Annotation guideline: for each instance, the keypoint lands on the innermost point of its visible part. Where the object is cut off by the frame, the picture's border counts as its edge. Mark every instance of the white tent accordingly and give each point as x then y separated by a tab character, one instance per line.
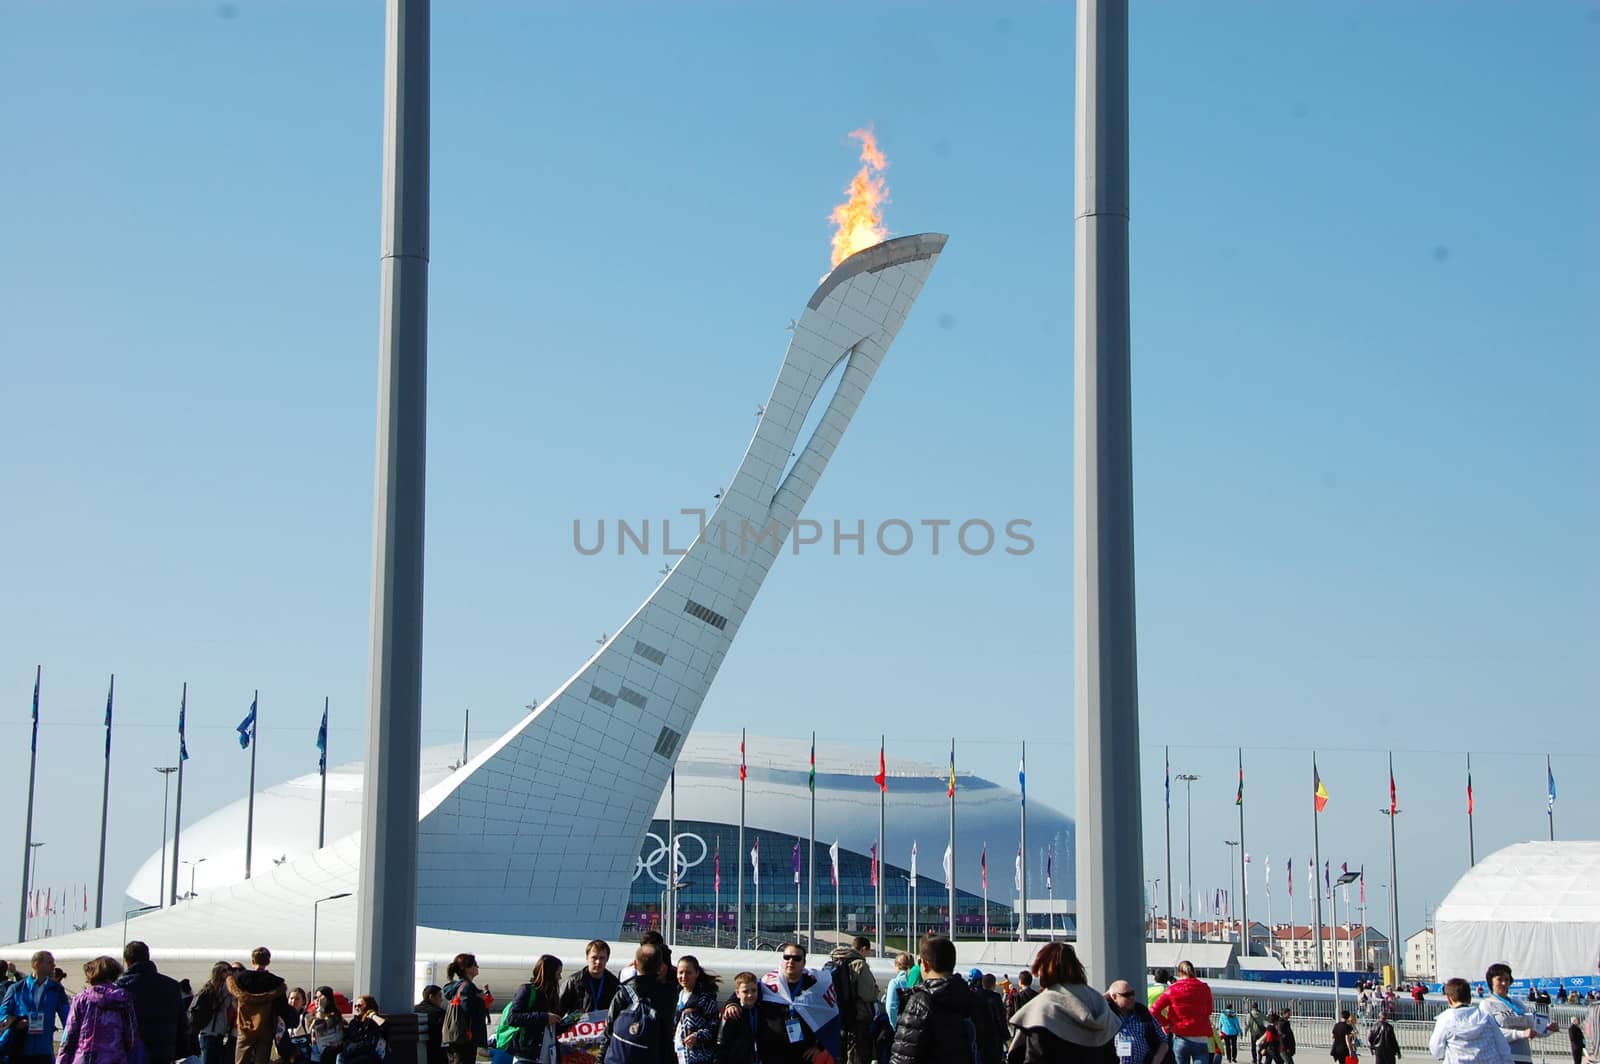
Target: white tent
1534	906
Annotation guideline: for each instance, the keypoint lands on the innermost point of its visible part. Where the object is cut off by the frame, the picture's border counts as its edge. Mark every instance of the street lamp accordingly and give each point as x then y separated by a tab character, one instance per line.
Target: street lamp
134	912
1231	844
1344	880
1391	812
166	791
314	914
194	866
1187	779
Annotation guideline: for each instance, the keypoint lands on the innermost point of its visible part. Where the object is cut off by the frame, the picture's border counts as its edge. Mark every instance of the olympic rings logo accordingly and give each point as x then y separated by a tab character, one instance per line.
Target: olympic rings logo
650	863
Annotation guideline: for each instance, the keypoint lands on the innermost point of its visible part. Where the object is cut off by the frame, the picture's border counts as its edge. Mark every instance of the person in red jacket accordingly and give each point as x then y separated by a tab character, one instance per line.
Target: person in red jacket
1184	1011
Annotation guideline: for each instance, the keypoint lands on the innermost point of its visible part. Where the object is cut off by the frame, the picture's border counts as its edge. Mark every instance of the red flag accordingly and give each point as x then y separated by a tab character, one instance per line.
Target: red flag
741	757
716	865
1363	884
1394	800
1469	794
86	899
983	865
874	864
882	778
49	900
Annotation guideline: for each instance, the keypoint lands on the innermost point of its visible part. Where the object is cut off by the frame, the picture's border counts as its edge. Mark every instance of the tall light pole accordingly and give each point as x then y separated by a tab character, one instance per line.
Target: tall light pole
1232	845
1344	880
166	792
1187	779
1110	849
140	911
1394	896
194	866
386	914
314	906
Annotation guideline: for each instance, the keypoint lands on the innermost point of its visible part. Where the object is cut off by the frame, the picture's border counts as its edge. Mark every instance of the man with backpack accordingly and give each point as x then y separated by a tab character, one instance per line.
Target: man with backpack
640	1022
856	991
944	1021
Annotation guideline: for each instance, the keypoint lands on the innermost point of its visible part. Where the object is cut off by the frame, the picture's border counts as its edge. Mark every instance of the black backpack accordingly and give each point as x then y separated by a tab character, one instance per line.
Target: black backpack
635	1033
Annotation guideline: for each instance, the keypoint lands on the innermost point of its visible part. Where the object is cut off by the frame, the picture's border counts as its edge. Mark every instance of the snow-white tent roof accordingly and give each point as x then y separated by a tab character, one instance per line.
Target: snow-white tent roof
1532	905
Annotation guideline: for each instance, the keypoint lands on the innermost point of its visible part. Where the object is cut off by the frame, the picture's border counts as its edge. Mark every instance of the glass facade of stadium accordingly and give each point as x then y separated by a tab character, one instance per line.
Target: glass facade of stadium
700	904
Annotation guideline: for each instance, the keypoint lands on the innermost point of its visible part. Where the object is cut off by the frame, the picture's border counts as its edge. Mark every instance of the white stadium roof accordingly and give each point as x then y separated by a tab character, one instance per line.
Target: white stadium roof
1533	905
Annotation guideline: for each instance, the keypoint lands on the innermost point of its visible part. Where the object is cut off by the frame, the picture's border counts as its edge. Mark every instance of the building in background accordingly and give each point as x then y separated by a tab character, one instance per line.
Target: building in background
1422	956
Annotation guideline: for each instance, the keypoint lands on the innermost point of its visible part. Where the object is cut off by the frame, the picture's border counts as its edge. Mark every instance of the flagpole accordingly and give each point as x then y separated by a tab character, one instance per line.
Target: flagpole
883	804
672	858
1166	761
738	918
322	805
986	894
27	831
811	856
797	890
1550	802
838	910
1022	783
952	884
105	809
1394	888
1316	860
1472	846
1244	869
466	733
177	807
755	881
250	807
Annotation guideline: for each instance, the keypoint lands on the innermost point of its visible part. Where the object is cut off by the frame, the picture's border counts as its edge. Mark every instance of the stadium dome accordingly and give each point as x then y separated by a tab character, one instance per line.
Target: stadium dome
1534	906
706	808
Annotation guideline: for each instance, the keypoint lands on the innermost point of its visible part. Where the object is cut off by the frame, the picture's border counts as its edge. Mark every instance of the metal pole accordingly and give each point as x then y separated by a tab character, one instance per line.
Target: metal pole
27	831
33	877
322	804
314	907
882	891
1394	890
1550	799
1231	847
250	806
1316	862
952	885
386	922
811	856
1188	778
1022	919
105	808
669	906
1333	896
466	734
1244	869
738	918
1167	787
716	901
1472	848
1110	839
166	795
177	808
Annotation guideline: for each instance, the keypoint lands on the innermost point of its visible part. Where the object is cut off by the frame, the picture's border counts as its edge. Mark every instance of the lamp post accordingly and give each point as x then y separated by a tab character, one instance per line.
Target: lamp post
33	872
1343	881
314	915
1394	898
194	866
1232	845
135	912
166	792
1187	779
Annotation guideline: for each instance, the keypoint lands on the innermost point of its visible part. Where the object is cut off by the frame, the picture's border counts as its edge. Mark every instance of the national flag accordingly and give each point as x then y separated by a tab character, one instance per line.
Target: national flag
49	901
1050	869
755	863
1167	778
1289	867
1268	869
1550	786
796	862
882	778
1327	878
86	897
247	727
183	739
874	867
1238	796
1394	797
741	758
322	743
950	792
1022	780
36	675
1363	884
1247	875
983	866
109	692
716	867
811	781
913	860
947	869
1016	879
1319	793
833	856
1469	792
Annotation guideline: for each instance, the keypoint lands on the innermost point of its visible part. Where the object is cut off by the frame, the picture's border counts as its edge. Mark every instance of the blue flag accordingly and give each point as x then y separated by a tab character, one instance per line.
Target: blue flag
109	692
183	740
1167	778
322	743
247	727
1550	784
1022	780
37	673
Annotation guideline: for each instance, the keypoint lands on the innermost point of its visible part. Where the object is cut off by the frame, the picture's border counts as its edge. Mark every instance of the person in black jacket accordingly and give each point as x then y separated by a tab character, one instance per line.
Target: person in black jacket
736	1041
774	1041
431	1009
945	1020
157	1004
532	1009
475	1004
1286	1032
590	988
1385	1046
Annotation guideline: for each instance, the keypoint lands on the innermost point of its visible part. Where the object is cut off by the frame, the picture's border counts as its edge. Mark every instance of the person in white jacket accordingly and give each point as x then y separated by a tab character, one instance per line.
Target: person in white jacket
1465	1035
1517	1022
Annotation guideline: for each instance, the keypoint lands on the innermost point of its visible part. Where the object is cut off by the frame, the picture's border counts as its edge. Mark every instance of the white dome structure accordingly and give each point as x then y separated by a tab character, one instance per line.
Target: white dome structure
1534	906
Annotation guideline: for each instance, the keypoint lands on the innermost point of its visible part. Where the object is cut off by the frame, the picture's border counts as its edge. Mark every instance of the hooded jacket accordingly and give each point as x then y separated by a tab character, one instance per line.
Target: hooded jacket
863	986
1066	1024
1464	1035
933	1026
157	1001
261	1000
102	1028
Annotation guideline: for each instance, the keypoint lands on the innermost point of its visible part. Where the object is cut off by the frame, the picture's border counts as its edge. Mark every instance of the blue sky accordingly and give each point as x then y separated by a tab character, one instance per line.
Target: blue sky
1364	358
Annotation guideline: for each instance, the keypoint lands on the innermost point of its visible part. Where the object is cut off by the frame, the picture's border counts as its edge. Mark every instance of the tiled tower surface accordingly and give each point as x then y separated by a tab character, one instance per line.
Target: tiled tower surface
539	834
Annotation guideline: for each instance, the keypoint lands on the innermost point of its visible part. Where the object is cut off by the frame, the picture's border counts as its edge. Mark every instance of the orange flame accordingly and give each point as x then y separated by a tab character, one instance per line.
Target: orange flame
859	219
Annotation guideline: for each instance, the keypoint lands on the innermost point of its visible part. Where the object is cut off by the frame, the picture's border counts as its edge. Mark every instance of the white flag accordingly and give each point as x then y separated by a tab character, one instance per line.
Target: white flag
833	852
755	863
947	866
1247	875
1269	875
1017	879
913	860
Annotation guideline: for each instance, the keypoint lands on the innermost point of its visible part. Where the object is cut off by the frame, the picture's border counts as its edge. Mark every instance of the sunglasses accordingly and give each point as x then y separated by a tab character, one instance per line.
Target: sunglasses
794	956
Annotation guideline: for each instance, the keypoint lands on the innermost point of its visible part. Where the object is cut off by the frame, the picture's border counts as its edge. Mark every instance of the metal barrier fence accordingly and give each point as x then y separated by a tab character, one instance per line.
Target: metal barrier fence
1313	1034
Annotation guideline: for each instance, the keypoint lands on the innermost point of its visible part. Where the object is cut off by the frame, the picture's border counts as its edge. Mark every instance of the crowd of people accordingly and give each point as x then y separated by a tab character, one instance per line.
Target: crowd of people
661	1011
